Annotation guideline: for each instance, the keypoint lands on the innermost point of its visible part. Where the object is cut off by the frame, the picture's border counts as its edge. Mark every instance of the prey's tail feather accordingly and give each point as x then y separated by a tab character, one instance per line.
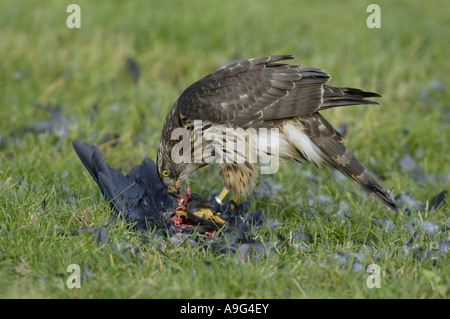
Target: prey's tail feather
334	96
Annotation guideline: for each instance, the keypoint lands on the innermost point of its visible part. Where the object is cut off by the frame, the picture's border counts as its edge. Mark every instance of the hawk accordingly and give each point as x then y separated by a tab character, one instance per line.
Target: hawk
261	93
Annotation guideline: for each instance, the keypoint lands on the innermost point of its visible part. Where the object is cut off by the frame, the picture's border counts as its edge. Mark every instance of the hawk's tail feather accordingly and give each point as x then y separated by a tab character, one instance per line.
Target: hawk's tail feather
371	185
334	96
341	158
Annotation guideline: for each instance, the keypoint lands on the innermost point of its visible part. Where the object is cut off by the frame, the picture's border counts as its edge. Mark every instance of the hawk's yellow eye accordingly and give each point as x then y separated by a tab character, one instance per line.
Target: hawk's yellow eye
165	173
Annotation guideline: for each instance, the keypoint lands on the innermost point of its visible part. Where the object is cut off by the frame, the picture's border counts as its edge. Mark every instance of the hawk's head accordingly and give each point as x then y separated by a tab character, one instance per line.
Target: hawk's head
172	172
168	171
175	155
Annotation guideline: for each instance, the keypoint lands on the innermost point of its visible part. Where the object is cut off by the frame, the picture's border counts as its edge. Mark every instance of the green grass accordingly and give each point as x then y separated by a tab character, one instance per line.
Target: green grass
175	44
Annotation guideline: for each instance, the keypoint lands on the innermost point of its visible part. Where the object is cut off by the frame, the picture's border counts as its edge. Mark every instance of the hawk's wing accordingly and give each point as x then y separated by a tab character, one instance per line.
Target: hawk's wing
254	92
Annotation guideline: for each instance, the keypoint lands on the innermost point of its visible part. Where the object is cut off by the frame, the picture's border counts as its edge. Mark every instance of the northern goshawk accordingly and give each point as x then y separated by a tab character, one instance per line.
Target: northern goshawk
259	94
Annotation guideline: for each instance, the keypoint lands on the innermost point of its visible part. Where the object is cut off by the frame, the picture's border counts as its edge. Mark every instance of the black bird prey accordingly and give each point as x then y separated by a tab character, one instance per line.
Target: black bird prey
139	196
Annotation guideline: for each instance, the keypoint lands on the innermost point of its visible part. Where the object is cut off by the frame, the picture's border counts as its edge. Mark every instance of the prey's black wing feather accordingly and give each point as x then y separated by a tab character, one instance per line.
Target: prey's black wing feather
139	196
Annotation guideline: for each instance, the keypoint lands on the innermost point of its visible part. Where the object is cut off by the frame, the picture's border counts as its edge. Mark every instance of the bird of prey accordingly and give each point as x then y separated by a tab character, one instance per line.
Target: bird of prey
261	93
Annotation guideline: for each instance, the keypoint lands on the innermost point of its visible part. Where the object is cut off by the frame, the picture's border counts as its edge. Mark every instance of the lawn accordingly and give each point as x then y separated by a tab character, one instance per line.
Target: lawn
112	82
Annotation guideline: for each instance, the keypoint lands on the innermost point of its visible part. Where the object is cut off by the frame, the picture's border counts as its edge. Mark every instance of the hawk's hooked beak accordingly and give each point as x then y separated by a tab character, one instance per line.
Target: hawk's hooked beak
175	190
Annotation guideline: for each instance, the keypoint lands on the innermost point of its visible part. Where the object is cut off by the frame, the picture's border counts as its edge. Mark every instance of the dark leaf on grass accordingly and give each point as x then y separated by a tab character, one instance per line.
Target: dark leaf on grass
133	69
42	210
303	237
249	251
438	200
102	235
2	140
422	253
412	239
57	124
127	249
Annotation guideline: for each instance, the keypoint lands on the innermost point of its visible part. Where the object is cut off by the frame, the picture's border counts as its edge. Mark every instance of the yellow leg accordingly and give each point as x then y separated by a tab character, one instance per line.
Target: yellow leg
234	199
223	193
